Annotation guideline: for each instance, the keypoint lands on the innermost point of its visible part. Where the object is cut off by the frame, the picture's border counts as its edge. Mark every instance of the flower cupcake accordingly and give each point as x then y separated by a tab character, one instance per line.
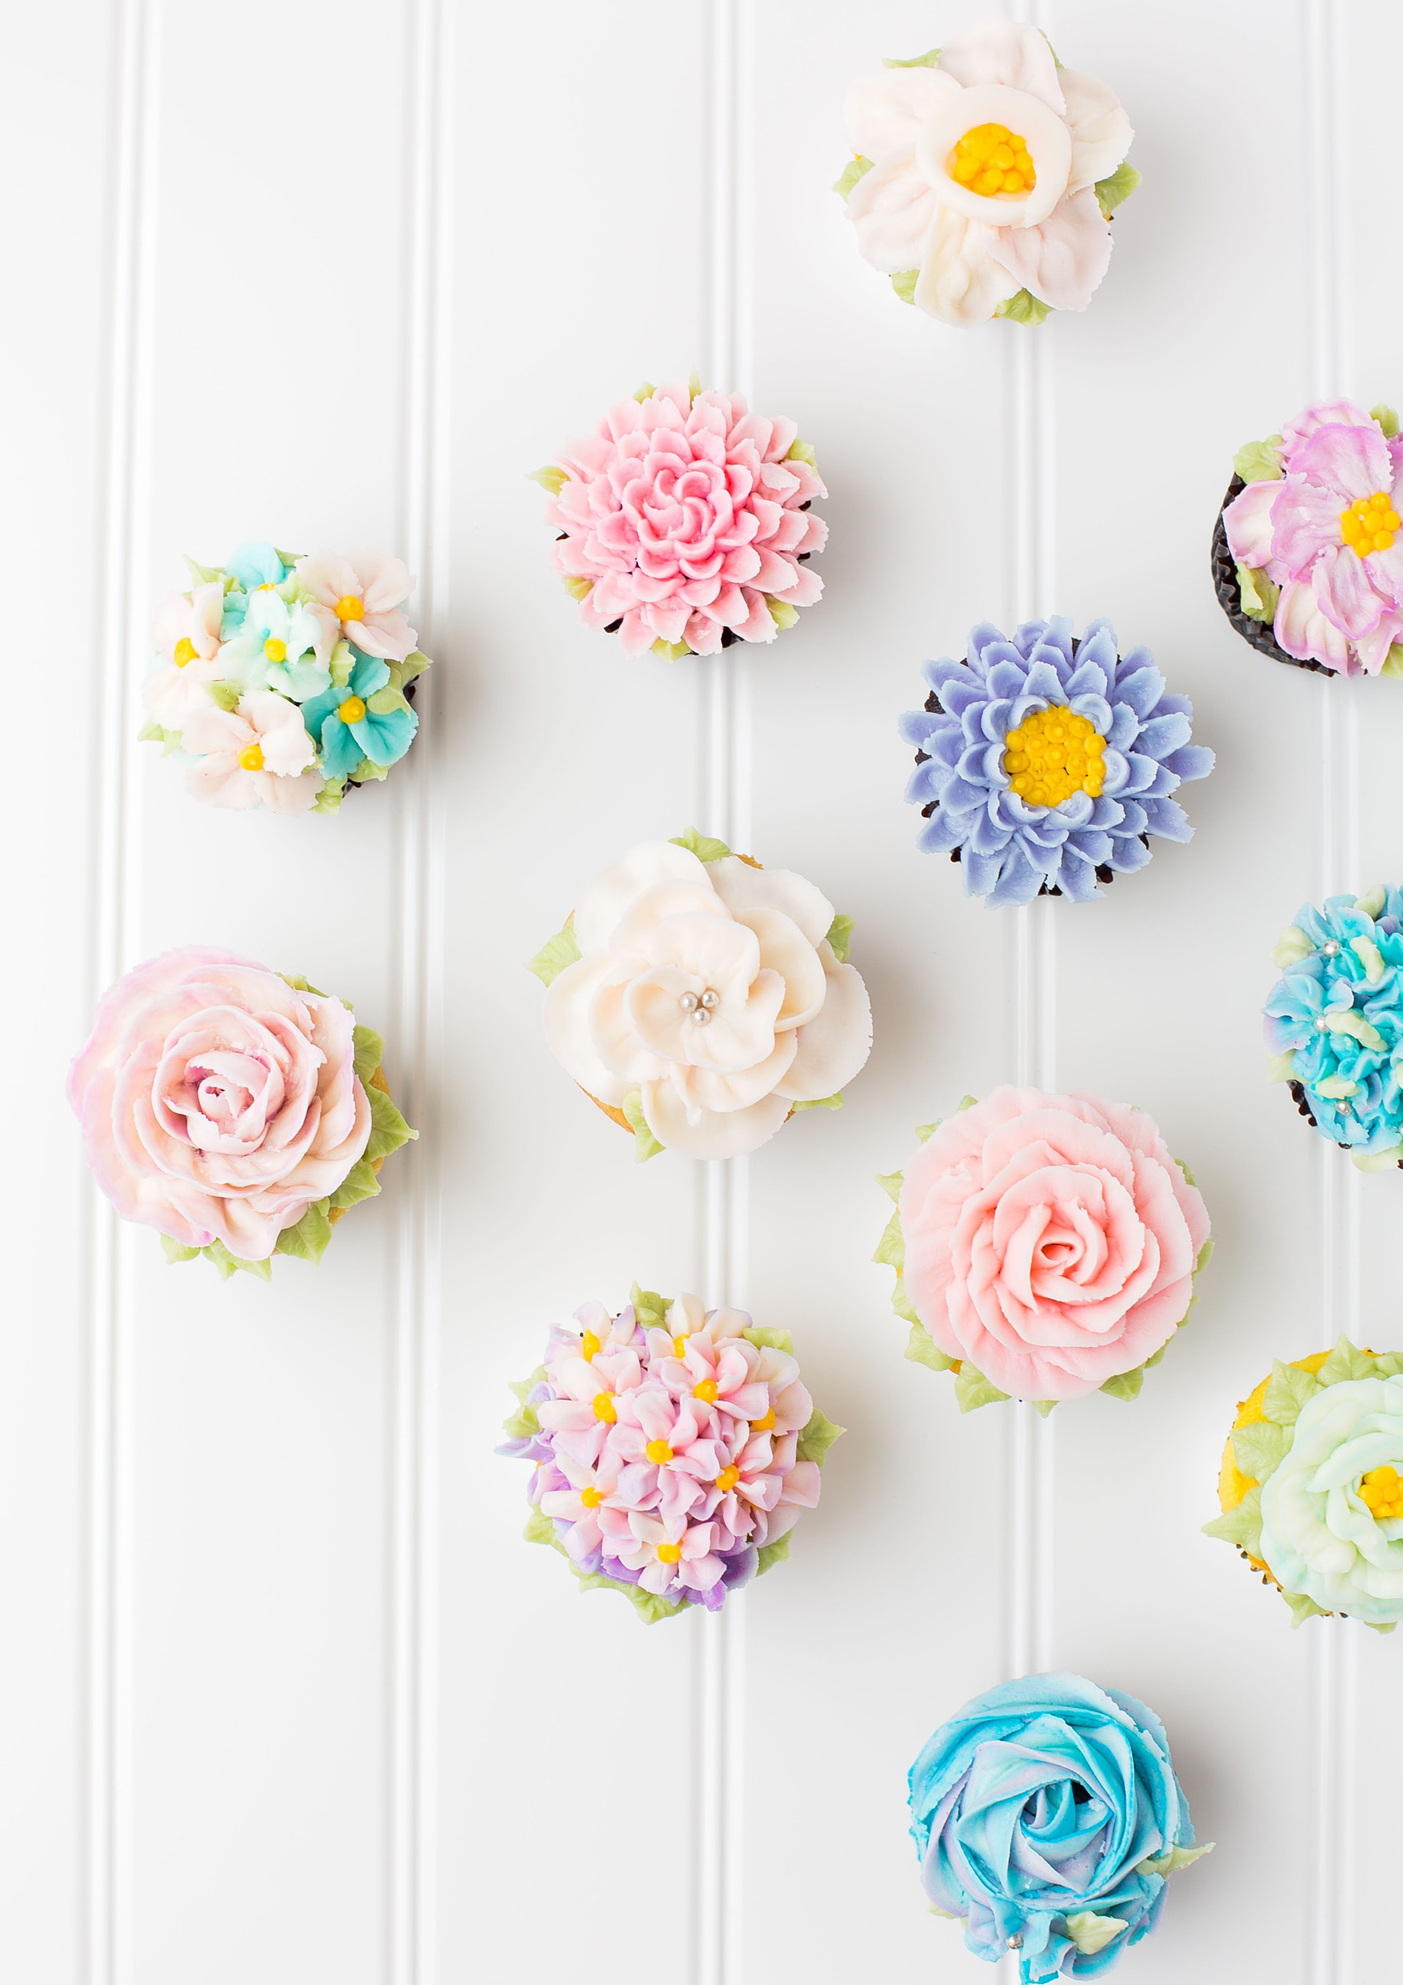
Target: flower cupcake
700	1000
1044	762
1048	1818
1311	1486
683	522
238	1112
1306	559
675	1450
985	176
1044	1246
282	681
1333	1024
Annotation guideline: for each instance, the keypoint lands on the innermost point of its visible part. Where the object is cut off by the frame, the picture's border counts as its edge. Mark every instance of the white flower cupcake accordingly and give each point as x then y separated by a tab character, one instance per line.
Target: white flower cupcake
700	1000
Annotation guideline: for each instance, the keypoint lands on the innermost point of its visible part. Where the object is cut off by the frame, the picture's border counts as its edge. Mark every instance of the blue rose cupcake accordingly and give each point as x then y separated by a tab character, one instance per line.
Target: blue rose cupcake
1334	1026
1045	762
1048	1818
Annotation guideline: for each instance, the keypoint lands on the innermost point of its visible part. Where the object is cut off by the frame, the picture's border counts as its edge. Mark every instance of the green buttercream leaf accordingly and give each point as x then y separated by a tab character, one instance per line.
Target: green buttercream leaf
1370	957
694	387
1024	308
1125	1385
670	651
1386	418
552	479
177	1250
1260	1448
525	1421
328	800
817	1437
1171	1862
1349	1020
891	1249
1393	661
359	1183
973	1390
1388	1364
1334	1088
704	846
539	1527
1382	1626
342	664
1287	1391
926	61
1114	191
1157	1357
1257	594
902	1306
388	1129
413	665
840	938
1372	902
891	1184
556	953
800	451
368	769
782	613
370	1052
205	575
1260	461
927	1130
773	1554
1378	1161
299	984
1091	1933
385	700
833	1102
228	1264
904	283
765	1338
645	391
1042	1407
922	1349
306	1241
1281	1067
1241	1527
1291	947
1205	1255
576	585
225	694
645	1145
1346	1361
1302	1608
851	173
649	1308
152	733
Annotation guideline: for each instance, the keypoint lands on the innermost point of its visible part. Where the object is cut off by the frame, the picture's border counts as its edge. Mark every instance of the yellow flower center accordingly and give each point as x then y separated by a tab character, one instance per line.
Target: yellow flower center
994	161
589	1345
1369	524
275	650
184	651
764	1426
705	1389
658	1452
348	607
591	1498
1382	1490
251	758
668	1554
1053	754
679	1346
604	1408
727	1479
351	711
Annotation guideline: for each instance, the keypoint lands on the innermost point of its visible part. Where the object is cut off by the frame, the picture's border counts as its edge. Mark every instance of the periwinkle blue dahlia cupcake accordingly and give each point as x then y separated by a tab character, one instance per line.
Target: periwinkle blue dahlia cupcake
1045	762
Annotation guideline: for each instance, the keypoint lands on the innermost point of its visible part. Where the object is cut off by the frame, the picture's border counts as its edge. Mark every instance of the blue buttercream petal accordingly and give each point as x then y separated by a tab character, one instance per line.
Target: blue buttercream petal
1191	761
1133	820
1125	727
963	796
1091	845
1128	852
317	709
1088	678
1075	810
994	721
1096	710
915	726
368	675
1140	688
1006	678
989	835
340	752
256	564
384	740
941	834
924	784
1019	879
1140	773
1077	877
981	638
1043	680
981	872
1168	819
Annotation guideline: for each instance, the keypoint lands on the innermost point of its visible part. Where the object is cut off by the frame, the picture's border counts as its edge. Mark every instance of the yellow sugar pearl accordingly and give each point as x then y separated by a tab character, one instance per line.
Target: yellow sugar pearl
275	650
706	1390
727	1480
589	1345
669	1554
351	711
604	1408
658	1452
349	607
184	651
591	1498
764	1426
251	758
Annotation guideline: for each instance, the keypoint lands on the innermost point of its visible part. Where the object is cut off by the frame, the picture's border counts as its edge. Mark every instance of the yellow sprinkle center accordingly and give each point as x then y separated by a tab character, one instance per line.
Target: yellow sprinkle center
727	1479
705	1389
276	651
679	1347
251	758
348	607
184	651
764	1426
658	1452
1369	524
591	1498
669	1554
589	1345
994	161
604	1408
351	711
1053	754
1382	1490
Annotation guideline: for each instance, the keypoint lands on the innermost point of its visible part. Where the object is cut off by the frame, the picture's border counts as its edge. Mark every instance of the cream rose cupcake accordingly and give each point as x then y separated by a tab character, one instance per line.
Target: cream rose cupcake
237	1112
700	1000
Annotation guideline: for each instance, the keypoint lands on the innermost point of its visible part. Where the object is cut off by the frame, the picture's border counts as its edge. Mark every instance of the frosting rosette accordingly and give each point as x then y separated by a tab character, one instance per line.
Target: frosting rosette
985	176
1307	561
281	681
1311	1484
238	1112
1333	1022
683	522
1048	1818
675	1450
1044	762
700	999
1045	1246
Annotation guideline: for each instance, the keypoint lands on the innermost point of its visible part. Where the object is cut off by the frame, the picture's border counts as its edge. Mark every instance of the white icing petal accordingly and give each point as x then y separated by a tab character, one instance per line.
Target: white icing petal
960	282
720	952
743	888
1101	131
716	1090
835	1045
892	207
567	1016
622	1047
1062	261
610	895
785	949
1002	52
1048	140
886	111
715	1134
634	931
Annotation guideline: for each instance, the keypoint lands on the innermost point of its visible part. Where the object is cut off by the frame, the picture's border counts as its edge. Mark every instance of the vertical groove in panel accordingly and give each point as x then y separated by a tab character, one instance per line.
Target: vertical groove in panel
723	744
113	905
413	1351
1331	1899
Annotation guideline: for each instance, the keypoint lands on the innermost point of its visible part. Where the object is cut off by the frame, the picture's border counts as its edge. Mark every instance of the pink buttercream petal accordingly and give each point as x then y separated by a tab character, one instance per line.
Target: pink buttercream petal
1303	631
1349	462
1344	593
1248	523
892	208
885	112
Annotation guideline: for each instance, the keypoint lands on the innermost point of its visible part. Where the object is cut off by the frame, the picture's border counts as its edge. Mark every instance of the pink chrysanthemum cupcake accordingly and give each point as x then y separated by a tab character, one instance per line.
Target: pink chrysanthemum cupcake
684	522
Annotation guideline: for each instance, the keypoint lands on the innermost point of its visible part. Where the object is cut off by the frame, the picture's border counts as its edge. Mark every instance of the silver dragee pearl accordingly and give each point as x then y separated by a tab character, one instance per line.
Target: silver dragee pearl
701	1018
689	1002
710	1000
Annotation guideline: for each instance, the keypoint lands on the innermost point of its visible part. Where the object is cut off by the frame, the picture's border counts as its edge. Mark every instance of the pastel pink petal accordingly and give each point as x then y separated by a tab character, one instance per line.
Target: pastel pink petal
892	208
759	624
1064	259
802	1485
1373	648
804	590
1303	631
704	635
1350	461
1322	413
885	112
1344	593
961	281
1248	523
1004	52
1101	131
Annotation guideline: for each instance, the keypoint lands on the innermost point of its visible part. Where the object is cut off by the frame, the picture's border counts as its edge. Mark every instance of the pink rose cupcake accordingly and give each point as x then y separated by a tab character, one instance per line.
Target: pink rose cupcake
1044	1247
683	522
238	1112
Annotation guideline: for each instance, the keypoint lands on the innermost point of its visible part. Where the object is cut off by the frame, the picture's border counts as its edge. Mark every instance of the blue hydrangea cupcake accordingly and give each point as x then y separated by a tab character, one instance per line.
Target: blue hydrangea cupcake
1044	762
1333	1022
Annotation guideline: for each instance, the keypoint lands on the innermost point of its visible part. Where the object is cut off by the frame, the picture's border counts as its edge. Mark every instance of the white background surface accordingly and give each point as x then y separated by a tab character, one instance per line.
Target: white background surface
282	1696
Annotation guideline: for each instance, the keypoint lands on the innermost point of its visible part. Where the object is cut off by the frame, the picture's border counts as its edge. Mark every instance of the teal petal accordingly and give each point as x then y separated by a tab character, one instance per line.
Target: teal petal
340	753
384	740
256	564
368	675
318	708
300	680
